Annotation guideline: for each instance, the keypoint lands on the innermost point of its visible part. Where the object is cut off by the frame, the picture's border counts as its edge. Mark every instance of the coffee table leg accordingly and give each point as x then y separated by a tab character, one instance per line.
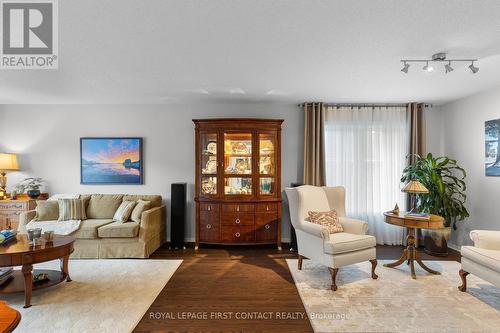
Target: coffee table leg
28	284
421	263
64	267
401	260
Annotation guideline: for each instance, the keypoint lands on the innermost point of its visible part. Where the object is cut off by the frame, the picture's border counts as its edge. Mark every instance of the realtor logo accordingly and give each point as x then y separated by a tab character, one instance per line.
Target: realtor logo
29	34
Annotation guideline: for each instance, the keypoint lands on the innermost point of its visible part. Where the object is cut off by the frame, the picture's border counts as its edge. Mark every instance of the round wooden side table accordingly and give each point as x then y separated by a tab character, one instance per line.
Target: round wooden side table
21	252
410	254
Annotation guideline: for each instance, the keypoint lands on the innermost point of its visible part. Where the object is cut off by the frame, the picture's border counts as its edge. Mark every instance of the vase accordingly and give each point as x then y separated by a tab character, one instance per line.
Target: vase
33	194
436	241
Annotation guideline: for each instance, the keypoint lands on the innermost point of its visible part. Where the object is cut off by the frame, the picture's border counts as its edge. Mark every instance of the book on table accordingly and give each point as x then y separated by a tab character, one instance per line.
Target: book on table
418	216
5	274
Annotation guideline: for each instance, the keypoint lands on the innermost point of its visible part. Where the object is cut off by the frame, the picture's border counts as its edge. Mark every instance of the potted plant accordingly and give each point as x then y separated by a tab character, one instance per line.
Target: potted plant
31	186
444	179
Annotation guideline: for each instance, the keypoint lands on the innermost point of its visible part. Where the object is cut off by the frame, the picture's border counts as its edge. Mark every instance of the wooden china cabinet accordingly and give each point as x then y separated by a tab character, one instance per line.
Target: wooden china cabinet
238	181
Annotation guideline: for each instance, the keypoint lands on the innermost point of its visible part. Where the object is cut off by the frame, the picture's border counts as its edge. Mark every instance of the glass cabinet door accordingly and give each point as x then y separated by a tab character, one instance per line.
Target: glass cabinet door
209	163
237	164
267	164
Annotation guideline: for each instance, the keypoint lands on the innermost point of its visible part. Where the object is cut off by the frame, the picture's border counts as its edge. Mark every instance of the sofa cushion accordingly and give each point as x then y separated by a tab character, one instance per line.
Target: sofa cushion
345	242
140	207
88	228
154	199
123	212
72	209
47	210
103	206
488	258
119	230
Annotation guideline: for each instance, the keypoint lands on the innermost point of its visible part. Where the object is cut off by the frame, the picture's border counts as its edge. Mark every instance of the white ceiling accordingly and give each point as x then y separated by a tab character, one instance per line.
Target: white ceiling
157	51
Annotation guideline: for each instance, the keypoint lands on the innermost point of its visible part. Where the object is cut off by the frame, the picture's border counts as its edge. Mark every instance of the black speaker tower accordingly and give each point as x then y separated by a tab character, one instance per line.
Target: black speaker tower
178	215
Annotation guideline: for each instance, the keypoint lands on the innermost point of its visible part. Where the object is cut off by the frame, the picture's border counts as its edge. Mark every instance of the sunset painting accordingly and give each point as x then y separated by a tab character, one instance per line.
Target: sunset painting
111	160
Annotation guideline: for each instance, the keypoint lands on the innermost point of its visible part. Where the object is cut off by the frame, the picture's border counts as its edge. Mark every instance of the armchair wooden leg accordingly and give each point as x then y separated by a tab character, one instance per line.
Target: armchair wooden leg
374	265
299	263
334	272
463	275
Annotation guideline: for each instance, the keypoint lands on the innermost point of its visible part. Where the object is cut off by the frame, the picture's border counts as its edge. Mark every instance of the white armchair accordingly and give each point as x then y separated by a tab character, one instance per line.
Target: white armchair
482	259
316	243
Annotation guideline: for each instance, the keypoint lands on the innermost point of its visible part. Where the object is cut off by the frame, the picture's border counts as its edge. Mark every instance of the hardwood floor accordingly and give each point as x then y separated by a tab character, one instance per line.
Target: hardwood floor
235	282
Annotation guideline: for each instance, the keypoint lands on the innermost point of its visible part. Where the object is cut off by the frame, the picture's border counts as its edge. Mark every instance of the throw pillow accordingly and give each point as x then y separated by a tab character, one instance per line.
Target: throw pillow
47	210
140	207
330	220
123	212
72	209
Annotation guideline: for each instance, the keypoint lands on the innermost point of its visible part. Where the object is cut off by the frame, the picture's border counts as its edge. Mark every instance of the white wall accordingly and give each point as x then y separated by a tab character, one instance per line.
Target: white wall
46	137
434	130
463	129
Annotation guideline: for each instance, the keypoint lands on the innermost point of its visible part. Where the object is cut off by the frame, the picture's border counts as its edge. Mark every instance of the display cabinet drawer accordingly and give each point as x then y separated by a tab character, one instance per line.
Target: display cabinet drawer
266	207
238	208
237	219
14	205
238	234
210	225
209	207
209	232
266	232
264	218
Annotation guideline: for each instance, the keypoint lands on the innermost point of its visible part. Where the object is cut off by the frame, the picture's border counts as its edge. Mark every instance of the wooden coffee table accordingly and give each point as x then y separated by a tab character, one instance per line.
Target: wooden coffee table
9	318
20	252
410	254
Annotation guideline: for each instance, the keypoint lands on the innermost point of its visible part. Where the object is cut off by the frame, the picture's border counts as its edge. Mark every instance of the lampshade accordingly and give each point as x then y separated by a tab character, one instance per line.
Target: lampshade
415	186
8	162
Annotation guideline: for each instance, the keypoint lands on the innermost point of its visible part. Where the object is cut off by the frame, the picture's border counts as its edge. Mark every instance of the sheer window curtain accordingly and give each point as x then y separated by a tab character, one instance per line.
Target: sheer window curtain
365	151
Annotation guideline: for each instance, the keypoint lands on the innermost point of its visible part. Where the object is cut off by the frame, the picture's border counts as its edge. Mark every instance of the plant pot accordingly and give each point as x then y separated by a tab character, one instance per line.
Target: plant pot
436	241
33	194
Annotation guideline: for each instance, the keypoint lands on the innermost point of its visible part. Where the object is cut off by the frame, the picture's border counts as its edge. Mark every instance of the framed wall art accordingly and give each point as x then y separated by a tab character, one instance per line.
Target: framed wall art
491	146
111	161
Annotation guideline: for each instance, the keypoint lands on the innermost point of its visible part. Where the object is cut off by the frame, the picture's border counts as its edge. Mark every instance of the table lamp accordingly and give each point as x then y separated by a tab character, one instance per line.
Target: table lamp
414	187
8	162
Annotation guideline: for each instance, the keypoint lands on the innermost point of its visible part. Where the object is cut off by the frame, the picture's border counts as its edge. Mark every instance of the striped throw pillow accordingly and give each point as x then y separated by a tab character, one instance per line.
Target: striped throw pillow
72	209
123	212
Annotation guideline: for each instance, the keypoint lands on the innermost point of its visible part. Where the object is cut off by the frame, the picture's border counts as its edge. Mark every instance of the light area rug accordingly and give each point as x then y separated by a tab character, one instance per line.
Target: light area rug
395	302
108	295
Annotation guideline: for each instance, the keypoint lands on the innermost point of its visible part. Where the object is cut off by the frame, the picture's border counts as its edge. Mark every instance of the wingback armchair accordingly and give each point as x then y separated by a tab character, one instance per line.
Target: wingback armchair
316	243
482	259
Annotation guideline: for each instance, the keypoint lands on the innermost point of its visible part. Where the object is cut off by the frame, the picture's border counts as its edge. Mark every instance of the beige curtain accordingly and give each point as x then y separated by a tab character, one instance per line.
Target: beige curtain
314	144
417	143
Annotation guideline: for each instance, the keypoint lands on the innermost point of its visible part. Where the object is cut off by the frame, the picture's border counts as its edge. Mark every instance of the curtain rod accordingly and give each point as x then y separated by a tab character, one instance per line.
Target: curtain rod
364	105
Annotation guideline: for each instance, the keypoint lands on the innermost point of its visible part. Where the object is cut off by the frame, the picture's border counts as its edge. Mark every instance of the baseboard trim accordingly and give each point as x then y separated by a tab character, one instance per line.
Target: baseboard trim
454	247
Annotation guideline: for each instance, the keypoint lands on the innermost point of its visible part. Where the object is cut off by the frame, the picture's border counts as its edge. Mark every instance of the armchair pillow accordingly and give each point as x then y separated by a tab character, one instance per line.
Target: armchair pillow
72	209
140	207
329	220
123	212
47	210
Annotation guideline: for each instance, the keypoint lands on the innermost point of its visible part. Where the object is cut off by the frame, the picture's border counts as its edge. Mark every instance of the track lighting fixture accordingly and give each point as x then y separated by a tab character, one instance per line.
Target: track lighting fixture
405	67
438	57
447	67
428	68
473	68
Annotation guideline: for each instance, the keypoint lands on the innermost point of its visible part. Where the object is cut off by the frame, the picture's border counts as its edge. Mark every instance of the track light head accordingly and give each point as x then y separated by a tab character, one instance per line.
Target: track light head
448	68
405	67
428	68
473	68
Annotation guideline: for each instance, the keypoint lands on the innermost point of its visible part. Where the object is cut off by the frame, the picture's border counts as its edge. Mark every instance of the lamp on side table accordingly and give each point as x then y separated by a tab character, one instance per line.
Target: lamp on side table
8	162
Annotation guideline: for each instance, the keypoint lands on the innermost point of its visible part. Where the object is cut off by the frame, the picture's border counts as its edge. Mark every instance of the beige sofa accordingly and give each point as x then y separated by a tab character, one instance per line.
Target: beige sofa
100	237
